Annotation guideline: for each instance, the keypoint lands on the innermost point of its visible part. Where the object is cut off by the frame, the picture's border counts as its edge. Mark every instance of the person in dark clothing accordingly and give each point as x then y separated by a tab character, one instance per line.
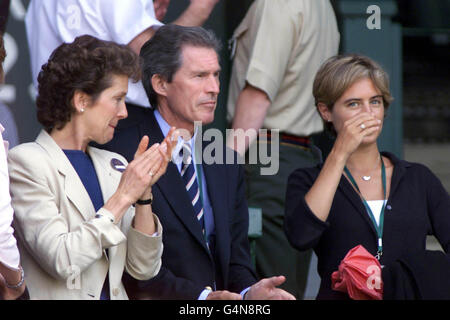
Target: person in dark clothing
206	248
4	13
361	196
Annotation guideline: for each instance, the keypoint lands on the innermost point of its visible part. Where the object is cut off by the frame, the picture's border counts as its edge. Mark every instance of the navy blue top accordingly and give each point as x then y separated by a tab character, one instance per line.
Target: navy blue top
417	206
83	165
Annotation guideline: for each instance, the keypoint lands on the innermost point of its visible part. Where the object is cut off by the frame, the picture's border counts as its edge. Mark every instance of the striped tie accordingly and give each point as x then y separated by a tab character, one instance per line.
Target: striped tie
190	181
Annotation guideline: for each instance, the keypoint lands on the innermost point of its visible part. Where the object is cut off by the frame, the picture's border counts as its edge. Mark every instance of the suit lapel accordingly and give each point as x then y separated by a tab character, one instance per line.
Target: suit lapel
356	201
73	186
397	173
352	195
108	179
171	185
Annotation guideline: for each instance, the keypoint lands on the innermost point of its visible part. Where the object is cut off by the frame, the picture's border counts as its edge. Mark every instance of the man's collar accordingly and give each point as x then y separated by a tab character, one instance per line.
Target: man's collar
165	127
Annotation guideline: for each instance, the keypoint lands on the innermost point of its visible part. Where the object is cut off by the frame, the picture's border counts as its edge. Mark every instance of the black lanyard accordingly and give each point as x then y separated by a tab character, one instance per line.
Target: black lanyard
378	228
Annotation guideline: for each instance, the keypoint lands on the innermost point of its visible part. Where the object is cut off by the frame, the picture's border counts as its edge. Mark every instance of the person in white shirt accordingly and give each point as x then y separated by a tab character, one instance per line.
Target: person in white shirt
51	22
12	284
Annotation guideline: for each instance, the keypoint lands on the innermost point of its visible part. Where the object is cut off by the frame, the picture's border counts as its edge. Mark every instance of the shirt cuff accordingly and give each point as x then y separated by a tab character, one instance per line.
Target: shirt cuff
204	294
105	214
243	292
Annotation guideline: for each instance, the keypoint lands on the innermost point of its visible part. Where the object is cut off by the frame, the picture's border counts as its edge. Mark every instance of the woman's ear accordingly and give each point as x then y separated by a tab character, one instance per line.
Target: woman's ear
324	112
159	84
80	101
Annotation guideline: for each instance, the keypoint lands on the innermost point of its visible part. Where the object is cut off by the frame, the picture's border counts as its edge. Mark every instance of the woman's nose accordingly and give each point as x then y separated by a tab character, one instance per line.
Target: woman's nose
368	108
123	112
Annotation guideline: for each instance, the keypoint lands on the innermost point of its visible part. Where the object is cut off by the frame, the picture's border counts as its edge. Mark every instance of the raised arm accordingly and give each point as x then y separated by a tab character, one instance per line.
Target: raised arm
320	197
196	14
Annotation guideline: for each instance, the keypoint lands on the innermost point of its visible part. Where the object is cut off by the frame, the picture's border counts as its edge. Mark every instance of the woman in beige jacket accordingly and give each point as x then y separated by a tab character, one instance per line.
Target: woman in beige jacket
83	215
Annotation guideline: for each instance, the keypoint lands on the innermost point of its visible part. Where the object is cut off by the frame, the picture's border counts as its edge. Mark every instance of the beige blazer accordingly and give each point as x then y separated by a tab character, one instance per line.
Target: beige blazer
61	242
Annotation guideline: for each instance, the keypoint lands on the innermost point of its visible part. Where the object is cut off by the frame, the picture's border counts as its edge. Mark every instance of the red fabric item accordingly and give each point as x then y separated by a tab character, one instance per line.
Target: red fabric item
359	275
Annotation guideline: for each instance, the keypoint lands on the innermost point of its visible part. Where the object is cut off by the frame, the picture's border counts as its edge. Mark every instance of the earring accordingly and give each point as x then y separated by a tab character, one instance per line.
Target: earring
82	110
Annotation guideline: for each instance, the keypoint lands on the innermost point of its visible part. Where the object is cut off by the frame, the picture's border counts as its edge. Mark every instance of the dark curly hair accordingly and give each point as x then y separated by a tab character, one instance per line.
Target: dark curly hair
87	64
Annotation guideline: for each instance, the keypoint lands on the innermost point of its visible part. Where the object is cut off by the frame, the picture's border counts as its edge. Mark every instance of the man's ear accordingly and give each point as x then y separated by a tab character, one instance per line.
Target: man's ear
159	84
324	112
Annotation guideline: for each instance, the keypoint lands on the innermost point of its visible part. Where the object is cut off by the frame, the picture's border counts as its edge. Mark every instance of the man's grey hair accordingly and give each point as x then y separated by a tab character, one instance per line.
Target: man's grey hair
162	53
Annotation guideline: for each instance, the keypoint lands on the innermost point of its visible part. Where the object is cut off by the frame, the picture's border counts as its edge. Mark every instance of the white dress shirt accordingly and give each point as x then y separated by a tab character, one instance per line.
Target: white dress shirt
51	22
9	254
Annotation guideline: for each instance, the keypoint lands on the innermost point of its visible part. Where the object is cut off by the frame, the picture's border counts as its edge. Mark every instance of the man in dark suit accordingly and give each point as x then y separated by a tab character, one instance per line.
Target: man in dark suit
201	206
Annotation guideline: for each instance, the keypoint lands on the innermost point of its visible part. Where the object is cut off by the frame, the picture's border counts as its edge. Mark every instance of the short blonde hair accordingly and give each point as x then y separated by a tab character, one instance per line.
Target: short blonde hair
340	72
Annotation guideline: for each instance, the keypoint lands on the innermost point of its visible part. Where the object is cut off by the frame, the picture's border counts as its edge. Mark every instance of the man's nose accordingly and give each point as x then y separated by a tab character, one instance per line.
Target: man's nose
213	85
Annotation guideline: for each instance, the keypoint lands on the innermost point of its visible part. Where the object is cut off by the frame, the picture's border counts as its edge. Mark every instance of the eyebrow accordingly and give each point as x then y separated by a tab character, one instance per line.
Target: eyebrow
206	71
358	99
120	94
